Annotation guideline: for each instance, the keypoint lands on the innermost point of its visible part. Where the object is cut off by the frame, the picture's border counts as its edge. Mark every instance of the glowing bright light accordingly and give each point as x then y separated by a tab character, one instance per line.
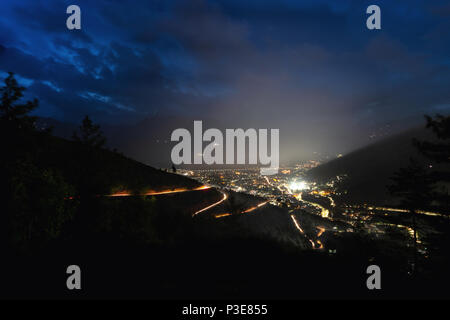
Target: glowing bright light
156	193
297	225
225	196
298	185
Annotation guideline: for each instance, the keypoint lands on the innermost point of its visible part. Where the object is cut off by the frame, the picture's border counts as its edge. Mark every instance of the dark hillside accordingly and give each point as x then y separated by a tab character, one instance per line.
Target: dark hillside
369	169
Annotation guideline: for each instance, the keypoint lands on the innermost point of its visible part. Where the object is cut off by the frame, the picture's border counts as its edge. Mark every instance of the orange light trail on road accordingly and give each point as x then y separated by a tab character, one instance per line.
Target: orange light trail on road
296	224
119	194
313	244
217	216
225	196
427	213
321	230
156	193
254	208
242	212
320	245
202	188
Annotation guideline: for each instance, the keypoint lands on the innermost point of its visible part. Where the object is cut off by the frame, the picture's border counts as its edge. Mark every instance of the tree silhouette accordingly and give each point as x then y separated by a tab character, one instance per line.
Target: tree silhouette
37	205
439	153
13	112
91	175
89	134
418	186
33	195
414	186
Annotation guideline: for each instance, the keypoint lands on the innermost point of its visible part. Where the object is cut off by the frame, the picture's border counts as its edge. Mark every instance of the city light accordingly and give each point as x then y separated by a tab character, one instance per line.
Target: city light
298	185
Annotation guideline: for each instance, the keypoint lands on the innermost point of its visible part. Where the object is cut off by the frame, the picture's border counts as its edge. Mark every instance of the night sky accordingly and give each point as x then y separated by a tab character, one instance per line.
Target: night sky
310	68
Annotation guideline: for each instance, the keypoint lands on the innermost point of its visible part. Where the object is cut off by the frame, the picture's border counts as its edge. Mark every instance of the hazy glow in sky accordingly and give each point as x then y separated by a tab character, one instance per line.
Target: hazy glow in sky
310	68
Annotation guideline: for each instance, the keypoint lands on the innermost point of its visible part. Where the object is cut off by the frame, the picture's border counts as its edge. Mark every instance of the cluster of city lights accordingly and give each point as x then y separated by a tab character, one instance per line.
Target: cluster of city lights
298	185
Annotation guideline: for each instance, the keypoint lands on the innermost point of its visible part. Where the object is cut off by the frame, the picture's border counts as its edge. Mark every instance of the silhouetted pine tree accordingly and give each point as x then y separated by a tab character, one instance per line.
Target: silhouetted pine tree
413	185
439	153
90	160
33	196
11	111
89	134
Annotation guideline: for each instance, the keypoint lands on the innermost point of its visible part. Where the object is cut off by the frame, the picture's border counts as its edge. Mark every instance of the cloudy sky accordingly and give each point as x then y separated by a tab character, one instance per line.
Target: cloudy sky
310	68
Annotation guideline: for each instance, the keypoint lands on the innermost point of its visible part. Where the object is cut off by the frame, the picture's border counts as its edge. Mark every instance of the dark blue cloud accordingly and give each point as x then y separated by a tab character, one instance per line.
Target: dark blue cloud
286	62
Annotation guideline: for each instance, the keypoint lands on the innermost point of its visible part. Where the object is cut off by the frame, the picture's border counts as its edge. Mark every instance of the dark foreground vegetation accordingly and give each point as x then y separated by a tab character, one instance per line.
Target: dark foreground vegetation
55	213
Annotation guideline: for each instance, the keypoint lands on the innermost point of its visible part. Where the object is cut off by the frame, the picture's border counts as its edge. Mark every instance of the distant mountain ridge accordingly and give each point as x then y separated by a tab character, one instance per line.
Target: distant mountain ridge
369	169
147	141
